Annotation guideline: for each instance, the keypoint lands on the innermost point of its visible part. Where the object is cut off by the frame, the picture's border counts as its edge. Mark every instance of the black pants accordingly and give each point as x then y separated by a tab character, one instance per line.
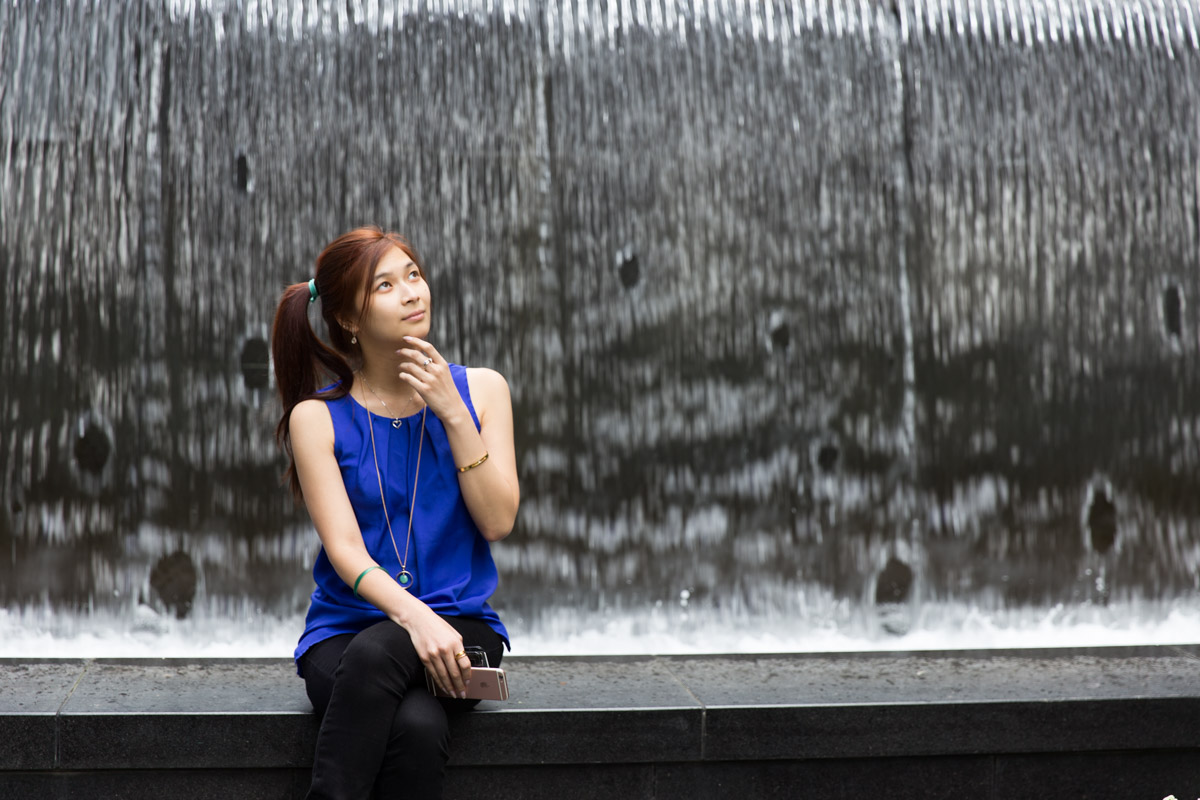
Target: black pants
383	735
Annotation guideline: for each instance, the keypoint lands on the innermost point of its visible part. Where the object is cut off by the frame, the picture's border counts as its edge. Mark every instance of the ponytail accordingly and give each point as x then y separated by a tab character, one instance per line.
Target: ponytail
303	364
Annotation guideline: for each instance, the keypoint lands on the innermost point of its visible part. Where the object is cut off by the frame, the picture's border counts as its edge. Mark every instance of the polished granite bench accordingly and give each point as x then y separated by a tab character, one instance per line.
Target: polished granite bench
1097	723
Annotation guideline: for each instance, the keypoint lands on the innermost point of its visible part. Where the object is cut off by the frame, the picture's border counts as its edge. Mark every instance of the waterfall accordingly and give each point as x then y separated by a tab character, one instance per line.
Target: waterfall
870	316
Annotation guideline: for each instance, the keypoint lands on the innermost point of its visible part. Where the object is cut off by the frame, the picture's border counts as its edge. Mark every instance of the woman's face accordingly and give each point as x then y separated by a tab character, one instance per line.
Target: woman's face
399	302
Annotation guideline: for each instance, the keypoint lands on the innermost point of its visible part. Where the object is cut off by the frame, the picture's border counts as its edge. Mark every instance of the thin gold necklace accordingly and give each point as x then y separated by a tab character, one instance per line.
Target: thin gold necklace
403	577
397	421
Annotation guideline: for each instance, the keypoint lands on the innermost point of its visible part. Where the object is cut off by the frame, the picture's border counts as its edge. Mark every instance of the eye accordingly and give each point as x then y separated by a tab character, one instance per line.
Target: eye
383	285
414	275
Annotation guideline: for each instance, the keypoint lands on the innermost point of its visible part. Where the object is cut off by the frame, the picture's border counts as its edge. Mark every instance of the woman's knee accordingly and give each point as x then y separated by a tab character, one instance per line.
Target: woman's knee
415	764
421	730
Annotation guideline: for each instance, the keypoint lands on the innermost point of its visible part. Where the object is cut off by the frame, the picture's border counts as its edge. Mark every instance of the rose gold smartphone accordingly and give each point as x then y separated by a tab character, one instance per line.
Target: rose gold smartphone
487	683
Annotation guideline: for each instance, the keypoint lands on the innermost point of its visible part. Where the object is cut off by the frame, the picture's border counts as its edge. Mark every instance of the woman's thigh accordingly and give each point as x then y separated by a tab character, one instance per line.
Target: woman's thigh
319	666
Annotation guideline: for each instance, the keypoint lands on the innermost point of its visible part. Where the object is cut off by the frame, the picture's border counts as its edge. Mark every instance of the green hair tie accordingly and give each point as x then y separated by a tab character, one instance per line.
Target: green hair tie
312	290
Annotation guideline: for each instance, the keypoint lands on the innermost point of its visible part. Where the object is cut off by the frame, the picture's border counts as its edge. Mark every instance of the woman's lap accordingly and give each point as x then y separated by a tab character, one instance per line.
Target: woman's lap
320	663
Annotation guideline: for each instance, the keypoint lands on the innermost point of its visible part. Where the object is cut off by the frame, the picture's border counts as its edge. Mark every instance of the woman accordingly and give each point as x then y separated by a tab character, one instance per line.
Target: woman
407	467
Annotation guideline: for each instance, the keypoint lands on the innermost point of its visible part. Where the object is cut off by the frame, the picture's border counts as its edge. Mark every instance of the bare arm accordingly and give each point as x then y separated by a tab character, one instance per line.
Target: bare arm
490	490
436	642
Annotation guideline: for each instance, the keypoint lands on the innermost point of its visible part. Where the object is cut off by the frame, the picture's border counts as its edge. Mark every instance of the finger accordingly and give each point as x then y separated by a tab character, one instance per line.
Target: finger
440	677
413	368
415	348
425	375
424	384
445	676
464	666
410	354
427	349
419	362
456	677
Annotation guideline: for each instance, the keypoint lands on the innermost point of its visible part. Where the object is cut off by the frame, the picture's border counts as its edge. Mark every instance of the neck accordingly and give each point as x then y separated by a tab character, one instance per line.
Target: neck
387	384
380	364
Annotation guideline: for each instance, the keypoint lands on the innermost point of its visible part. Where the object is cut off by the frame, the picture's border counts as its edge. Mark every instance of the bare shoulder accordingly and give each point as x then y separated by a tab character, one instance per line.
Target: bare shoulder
310	422
489	390
487	381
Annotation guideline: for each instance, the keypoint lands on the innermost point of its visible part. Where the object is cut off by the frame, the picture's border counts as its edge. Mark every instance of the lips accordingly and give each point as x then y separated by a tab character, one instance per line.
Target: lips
416	316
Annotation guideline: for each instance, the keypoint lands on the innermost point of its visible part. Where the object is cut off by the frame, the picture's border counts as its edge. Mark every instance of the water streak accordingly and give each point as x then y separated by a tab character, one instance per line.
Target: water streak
890	305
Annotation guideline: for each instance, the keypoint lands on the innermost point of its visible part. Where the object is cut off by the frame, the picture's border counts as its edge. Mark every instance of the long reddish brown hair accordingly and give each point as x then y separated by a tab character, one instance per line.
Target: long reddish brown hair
305	366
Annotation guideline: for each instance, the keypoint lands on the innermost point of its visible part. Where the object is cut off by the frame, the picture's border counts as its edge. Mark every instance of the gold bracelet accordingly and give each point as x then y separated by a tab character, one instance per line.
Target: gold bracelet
469	467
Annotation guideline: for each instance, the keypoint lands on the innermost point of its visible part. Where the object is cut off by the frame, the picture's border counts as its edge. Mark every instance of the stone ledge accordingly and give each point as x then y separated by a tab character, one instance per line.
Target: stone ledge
645	726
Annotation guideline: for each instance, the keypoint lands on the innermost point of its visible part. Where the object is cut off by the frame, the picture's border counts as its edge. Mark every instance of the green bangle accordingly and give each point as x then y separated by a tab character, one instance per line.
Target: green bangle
361	575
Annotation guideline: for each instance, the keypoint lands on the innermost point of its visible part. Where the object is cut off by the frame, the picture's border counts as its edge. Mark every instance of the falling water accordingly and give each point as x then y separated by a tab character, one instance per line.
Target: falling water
867	318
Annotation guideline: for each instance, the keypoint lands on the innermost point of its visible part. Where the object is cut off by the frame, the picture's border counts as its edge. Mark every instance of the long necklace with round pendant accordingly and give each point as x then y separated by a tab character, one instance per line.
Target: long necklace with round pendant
404	577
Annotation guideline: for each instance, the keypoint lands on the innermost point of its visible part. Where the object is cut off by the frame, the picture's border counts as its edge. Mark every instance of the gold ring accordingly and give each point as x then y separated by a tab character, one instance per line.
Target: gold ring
460	654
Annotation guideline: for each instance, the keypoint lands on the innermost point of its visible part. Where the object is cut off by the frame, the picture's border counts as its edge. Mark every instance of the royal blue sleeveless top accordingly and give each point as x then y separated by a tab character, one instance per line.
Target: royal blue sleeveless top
450	561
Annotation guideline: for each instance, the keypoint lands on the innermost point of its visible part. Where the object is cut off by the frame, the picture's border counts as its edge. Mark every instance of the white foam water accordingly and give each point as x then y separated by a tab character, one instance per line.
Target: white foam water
655	631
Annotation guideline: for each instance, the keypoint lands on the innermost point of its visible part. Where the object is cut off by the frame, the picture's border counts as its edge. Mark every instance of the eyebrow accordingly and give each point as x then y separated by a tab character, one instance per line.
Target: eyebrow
389	273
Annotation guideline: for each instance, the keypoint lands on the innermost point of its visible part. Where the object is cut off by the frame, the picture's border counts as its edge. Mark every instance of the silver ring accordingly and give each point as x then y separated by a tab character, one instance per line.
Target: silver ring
427	362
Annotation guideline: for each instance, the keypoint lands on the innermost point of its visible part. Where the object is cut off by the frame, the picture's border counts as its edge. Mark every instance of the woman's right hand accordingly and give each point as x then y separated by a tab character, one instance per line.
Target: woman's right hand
437	643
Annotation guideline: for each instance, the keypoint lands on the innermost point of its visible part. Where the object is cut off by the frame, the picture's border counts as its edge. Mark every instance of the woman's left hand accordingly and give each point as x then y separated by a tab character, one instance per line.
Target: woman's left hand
424	369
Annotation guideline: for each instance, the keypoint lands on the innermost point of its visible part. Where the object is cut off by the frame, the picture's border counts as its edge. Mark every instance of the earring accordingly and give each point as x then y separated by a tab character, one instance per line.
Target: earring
353	340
